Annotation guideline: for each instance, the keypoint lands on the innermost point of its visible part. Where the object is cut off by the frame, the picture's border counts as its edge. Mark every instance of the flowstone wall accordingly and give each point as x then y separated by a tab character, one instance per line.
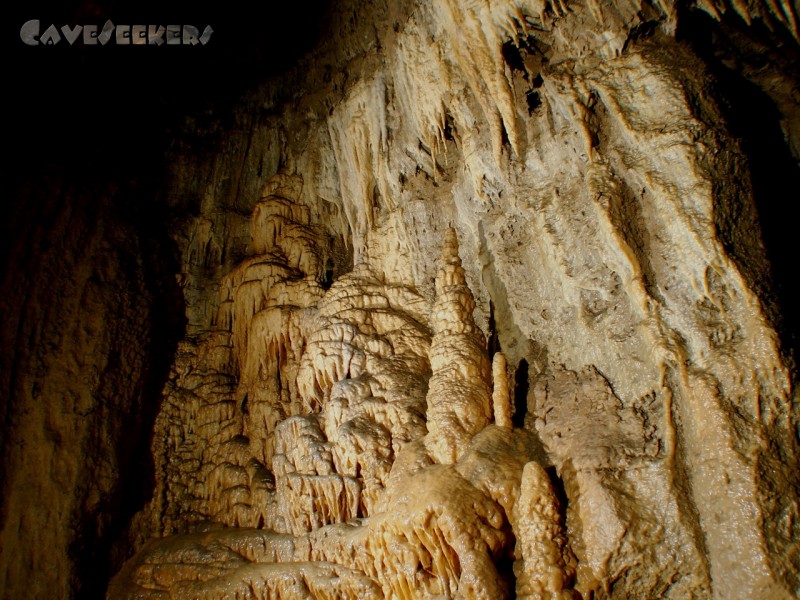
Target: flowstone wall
552	188
482	300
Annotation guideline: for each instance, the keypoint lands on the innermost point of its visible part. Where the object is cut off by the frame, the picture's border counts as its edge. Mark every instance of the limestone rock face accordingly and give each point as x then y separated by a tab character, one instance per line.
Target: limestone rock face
486	314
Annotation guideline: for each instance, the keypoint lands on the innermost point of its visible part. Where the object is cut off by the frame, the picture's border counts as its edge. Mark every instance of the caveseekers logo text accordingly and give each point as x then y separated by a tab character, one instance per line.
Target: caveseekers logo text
122	35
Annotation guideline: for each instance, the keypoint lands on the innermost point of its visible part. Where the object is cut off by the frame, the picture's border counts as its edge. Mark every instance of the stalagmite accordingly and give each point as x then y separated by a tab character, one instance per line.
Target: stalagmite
500	395
546	567
459	390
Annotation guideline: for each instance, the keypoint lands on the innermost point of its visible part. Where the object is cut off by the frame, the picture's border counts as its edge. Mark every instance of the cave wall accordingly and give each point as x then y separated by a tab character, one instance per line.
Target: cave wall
481	302
606	218
91	315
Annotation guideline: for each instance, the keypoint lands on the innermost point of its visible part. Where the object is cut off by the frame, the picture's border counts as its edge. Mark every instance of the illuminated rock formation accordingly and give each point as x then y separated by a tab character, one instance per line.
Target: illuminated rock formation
478	306
501	400
605	305
459	390
342	475
545	567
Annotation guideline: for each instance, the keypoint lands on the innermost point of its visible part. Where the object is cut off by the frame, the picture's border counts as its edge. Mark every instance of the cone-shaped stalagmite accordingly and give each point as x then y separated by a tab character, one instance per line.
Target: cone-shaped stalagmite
459	392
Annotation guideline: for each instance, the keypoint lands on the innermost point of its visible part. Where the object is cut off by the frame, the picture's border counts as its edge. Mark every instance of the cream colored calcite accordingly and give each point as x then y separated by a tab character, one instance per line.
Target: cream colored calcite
546	567
239	563
309	492
501	400
453	217
447	527
352	479
544	221
459	390
225	394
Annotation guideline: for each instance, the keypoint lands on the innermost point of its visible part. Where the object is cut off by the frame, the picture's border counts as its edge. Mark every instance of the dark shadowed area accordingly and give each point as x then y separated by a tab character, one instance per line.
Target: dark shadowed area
92	311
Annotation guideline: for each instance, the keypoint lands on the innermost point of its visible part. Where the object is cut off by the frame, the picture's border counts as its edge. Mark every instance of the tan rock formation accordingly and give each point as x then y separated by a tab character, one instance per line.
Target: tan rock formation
459	390
546	566
501	400
348	481
580	163
478	307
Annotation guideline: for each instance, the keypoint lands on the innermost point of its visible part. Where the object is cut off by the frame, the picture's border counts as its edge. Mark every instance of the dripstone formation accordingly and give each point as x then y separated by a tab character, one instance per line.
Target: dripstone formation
356	455
481	302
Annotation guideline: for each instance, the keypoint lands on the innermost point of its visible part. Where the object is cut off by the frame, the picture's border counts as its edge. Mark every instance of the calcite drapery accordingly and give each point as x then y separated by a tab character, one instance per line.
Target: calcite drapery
349	481
604	214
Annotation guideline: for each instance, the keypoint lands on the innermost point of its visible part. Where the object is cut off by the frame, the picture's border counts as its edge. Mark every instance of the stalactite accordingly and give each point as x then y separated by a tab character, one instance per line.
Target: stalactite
351	426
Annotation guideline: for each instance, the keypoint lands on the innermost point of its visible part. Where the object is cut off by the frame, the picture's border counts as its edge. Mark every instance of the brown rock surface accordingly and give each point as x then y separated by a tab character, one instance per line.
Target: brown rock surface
478	306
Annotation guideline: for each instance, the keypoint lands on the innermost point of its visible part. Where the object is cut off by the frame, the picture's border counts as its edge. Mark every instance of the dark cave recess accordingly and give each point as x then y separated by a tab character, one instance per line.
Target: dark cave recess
733	51
110	105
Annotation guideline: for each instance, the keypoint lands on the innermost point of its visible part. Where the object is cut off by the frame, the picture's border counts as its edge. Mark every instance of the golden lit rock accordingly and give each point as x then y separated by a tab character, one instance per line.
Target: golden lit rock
478	303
